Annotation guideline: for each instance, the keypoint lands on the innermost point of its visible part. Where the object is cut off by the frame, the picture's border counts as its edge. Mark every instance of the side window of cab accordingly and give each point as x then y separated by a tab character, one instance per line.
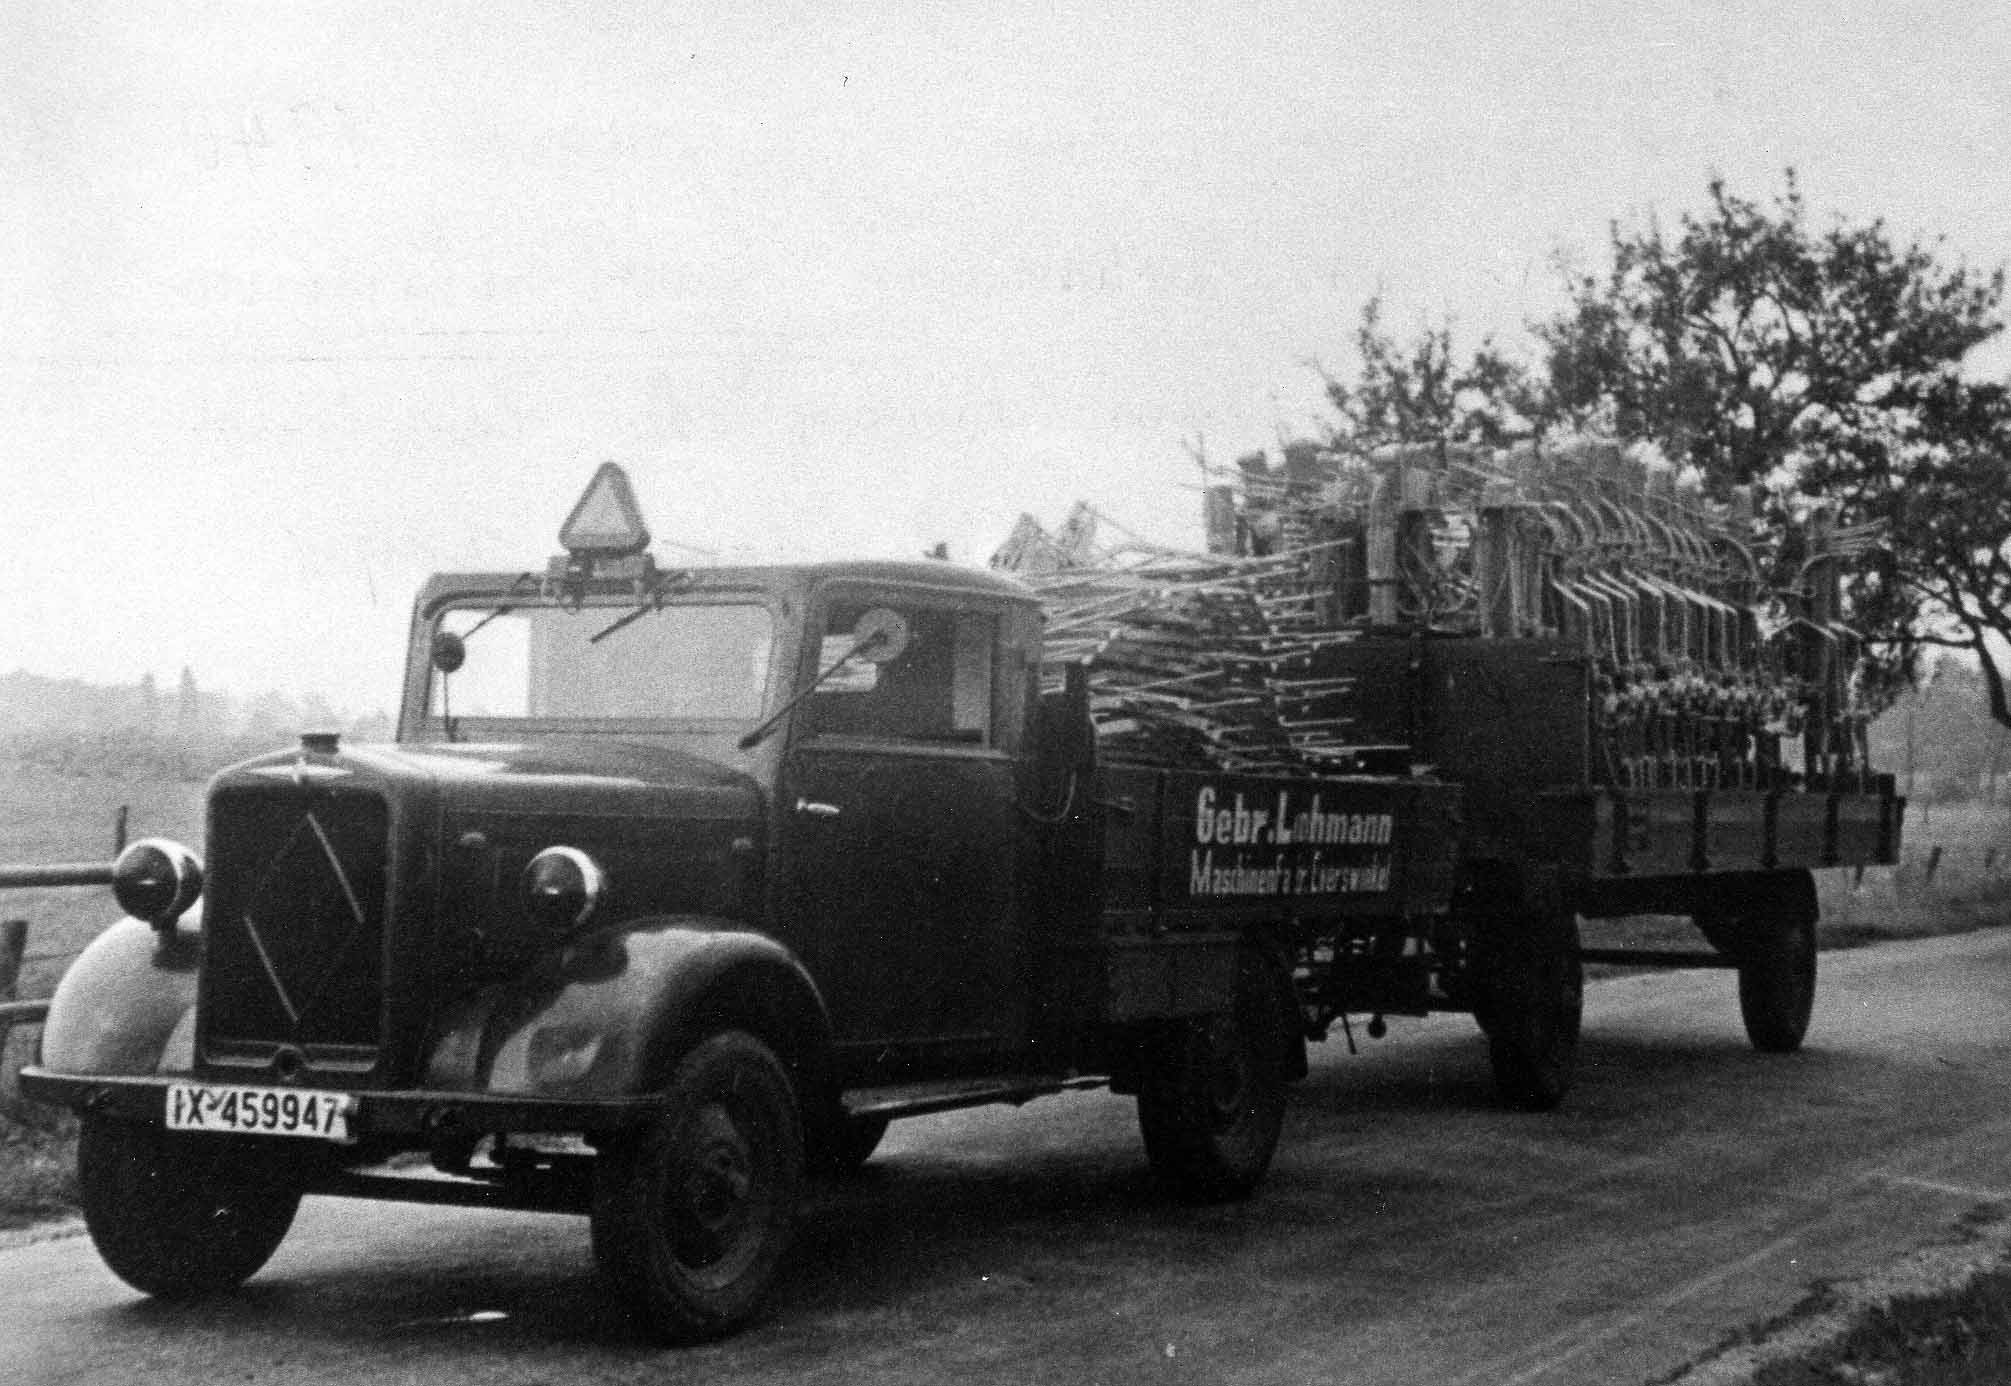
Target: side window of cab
938	689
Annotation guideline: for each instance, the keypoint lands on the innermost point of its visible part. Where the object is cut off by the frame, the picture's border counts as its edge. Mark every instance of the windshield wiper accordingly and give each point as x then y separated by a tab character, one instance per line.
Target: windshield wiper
505	609
651	601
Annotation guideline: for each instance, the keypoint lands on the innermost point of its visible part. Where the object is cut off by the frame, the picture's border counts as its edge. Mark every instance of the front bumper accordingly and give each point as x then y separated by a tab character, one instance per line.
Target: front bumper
419	1116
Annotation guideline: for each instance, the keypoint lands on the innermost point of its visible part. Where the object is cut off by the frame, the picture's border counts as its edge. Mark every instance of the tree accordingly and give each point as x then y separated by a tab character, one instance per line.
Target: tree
1822	367
1949	498
188	707
1420	392
273	716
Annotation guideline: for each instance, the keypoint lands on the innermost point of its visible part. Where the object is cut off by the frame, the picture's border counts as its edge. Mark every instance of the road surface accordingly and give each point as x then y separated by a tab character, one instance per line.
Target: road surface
1411	1231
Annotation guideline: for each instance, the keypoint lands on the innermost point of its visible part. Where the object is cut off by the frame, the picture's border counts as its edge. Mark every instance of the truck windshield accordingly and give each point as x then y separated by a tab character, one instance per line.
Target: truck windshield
687	662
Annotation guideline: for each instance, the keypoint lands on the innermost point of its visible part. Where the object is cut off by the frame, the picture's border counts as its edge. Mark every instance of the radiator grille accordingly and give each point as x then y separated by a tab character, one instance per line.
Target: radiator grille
294	925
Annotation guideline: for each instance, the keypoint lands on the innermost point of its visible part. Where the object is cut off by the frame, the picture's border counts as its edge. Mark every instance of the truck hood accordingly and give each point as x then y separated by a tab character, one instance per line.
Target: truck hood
555	775
435	840
579	773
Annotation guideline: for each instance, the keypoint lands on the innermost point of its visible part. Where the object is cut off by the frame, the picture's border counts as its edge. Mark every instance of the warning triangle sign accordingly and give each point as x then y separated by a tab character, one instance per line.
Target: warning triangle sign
607	519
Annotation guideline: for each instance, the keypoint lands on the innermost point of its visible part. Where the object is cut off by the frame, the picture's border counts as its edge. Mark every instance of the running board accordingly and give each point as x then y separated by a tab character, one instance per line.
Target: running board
919	1099
532	1195
1656	957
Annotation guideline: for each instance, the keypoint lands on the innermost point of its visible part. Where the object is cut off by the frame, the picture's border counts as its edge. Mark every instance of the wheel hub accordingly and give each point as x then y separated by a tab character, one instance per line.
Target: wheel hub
716	1195
1228	1078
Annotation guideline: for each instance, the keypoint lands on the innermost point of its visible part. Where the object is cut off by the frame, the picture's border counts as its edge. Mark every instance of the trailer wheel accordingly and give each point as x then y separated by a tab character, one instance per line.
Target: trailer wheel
692	1212
1777	962
1212	1099
178	1216
1533	1003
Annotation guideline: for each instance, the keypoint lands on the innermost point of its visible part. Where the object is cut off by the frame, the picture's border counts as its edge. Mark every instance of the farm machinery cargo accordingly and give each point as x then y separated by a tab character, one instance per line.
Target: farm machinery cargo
680	884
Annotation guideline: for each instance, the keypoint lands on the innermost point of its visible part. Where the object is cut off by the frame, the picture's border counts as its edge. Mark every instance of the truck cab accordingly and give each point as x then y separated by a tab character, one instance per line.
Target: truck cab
826	756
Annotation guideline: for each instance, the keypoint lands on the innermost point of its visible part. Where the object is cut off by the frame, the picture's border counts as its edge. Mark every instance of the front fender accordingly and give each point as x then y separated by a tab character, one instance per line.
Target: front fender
594	1019
121	1000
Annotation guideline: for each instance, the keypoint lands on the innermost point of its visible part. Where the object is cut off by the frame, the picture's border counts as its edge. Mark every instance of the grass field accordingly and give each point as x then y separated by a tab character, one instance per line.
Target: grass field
45	817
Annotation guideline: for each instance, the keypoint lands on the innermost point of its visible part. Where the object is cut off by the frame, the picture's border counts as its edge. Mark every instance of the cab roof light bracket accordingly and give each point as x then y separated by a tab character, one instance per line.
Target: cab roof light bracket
606	540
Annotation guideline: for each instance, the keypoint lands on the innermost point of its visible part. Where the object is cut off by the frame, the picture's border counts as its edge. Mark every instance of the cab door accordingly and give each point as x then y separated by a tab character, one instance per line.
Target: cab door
897	843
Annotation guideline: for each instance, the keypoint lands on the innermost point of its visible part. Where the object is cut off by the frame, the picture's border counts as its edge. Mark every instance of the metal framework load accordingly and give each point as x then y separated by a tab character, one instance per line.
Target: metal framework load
1718	658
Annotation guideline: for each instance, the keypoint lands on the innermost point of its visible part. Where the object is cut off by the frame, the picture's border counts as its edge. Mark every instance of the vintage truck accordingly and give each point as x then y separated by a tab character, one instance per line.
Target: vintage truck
678	885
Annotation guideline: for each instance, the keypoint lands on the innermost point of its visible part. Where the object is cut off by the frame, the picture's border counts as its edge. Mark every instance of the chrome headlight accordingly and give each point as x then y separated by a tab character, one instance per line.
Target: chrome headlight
563	887
157	880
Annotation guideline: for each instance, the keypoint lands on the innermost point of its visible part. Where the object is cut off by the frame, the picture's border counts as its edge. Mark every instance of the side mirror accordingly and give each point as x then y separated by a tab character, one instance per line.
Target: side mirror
880	636
450	652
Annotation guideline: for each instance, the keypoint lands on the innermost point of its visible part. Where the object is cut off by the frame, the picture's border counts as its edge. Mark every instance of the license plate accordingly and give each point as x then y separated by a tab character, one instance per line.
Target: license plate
320	1116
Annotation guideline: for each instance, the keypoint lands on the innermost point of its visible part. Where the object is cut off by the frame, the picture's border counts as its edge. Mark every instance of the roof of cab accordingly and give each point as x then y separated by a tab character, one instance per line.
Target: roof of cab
930	573
910	573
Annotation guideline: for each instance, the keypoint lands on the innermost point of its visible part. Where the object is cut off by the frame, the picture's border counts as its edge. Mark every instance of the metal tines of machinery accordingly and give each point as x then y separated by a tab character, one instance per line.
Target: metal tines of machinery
1717	654
1714	637
1195	659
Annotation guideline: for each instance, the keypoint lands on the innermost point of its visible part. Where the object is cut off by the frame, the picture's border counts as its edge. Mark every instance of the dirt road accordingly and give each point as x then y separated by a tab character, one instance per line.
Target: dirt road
1412	1231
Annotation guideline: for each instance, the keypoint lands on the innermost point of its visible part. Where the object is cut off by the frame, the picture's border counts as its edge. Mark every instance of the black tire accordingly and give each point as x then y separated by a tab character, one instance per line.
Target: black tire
1211	1101
179	1216
1533	988
693	1212
1777	964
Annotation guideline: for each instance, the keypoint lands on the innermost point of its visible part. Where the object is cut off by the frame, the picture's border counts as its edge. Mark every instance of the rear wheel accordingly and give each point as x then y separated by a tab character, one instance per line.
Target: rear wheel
1532	1007
1777	963
179	1216
1767	926
1212	1100
692	1212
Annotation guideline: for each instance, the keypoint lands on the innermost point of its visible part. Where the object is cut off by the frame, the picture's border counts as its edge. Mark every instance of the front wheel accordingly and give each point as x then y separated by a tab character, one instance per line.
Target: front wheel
692	1212
179	1216
1211	1103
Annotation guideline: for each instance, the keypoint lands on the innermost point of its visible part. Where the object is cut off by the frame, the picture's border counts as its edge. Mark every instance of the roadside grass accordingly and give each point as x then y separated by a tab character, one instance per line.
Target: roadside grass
1956	1337
1954	876
38	1164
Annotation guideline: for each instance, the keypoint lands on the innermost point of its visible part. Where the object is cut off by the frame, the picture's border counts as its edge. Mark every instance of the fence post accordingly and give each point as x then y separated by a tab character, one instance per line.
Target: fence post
1933	862
13	948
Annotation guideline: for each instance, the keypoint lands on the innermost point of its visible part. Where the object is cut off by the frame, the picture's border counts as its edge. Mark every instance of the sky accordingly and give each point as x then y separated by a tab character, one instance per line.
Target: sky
307	301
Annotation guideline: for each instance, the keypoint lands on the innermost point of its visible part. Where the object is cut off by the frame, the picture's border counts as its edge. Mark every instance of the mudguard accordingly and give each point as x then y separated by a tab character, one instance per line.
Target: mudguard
602	1016
122	999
